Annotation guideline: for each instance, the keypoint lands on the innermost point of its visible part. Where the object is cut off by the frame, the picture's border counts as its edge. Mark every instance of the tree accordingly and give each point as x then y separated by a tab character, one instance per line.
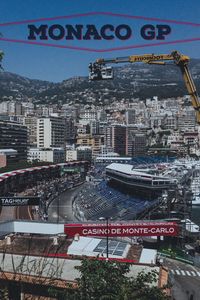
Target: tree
143	287
101	280
107	280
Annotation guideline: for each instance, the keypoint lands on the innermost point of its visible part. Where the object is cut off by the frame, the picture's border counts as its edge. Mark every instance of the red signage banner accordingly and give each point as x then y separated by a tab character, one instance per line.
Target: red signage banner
122	229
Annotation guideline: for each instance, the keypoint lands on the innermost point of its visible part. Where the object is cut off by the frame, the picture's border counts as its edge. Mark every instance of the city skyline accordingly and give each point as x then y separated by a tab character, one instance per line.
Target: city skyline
95	169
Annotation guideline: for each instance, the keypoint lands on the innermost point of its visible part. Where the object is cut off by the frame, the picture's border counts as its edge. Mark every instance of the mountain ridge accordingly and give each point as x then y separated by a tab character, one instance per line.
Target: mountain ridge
130	81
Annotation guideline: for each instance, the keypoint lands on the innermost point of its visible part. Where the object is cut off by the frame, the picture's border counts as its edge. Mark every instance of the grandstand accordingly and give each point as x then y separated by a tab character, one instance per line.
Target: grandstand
18	180
142	160
135	161
99	200
45	182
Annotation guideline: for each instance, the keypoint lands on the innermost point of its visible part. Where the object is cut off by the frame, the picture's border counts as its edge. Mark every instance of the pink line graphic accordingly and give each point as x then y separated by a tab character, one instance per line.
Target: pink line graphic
101	50
103	14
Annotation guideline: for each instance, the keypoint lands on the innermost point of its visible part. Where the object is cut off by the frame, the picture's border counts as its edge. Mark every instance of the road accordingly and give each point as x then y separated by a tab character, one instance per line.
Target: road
15	213
23	213
61	206
8	213
60	210
185	279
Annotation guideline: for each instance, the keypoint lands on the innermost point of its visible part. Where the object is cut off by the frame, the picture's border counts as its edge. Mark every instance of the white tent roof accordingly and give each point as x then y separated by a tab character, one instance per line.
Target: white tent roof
148	256
97	247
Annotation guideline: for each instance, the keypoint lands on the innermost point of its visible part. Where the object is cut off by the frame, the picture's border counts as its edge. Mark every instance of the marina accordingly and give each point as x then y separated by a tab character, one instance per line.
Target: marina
195	187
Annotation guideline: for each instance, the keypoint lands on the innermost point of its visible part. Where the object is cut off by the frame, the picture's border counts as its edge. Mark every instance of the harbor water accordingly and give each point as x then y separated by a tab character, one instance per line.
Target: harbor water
196	214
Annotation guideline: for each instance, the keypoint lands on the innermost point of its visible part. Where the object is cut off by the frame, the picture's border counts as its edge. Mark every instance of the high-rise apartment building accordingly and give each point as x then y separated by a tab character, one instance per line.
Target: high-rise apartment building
130	116
14	136
136	140
187	120
31	124
50	132
115	137
70	129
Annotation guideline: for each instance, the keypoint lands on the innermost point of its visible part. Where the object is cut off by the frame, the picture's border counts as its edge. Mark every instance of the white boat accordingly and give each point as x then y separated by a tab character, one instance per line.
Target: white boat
190	226
195	187
196	200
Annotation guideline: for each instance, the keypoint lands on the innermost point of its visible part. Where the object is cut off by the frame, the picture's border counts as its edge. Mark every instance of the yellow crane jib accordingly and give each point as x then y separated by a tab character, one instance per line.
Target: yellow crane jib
99	70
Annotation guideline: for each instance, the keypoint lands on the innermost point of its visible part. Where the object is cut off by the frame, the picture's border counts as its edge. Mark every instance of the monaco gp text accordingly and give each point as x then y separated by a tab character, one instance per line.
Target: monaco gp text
91	32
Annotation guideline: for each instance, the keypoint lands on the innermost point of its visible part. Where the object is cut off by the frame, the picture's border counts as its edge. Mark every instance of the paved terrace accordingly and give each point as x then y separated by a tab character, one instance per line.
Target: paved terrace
52	268
34	258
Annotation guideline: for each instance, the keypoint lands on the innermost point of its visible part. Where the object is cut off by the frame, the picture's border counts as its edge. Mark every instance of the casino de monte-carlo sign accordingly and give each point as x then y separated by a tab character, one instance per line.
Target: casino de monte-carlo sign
122	229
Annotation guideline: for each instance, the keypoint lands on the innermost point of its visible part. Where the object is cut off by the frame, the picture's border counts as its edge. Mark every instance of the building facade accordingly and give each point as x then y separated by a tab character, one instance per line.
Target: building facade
51	132
14	136
136	140
31	123
54	155
115	137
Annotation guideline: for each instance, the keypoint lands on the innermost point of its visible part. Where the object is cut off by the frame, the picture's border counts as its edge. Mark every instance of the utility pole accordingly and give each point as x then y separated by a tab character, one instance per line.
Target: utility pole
58	204
107	235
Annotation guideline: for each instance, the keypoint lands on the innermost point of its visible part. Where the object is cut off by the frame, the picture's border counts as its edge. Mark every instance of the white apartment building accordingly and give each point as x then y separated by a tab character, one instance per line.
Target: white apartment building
54	155
50	132
71	155
174	137
80	153
88	115
11	108
28	108
47	111
4	107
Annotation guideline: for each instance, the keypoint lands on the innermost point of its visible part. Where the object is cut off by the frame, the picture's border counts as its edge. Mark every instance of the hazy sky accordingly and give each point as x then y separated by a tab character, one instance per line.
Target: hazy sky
56	64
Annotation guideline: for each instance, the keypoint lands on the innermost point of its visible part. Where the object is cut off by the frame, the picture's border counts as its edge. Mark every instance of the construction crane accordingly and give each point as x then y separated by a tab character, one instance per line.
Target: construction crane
99	70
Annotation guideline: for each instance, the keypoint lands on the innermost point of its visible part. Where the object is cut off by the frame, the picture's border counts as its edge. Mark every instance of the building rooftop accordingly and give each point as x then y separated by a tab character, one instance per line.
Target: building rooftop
34	245
125	168
113	158
83	148
8	151
59	245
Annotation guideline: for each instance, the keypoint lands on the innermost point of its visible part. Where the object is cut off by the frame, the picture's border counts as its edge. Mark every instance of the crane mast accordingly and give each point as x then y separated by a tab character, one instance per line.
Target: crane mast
100	71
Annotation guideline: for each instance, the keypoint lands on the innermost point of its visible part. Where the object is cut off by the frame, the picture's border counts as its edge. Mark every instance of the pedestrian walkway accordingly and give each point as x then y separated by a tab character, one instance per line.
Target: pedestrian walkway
189	273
